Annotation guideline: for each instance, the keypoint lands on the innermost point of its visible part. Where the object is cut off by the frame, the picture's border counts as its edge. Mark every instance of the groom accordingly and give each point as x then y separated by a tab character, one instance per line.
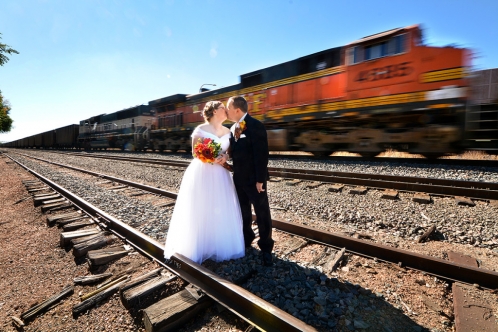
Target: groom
249	152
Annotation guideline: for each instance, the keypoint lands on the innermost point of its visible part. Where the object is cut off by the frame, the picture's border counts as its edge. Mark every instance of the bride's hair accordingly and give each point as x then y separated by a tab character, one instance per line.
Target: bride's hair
209	109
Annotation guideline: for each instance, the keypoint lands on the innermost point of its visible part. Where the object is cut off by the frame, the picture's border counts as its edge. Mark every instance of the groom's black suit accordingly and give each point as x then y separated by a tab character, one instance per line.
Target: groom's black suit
250	165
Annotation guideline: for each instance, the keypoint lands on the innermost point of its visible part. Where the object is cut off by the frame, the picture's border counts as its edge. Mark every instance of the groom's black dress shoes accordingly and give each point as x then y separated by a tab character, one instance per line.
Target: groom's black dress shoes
267	259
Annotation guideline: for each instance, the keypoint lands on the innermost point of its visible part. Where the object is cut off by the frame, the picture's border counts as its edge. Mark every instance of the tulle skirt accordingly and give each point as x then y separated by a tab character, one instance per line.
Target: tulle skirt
206	222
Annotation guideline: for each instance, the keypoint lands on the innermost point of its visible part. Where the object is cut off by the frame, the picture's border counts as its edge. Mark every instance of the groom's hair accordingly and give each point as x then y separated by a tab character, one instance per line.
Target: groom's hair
240	102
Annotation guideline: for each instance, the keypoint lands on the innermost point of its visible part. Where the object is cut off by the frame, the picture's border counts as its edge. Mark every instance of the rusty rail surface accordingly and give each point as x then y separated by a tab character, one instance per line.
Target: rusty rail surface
434	266
243	303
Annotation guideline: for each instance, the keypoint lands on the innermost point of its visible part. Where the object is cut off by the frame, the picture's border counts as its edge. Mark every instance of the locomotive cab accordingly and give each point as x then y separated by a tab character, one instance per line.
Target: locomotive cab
404	94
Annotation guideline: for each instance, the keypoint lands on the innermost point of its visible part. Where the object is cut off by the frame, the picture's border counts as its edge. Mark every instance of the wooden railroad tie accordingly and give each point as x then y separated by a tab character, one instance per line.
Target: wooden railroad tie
77	225
293	244
50	207
293	182
358	191
422	198
39	200
117	187
38	189
53	218
390	194
314	185
471	314
335	188
91	279
66	237
333	261
82	246
33	311
98	297
174	311
132	297
464	201
65	221
104	256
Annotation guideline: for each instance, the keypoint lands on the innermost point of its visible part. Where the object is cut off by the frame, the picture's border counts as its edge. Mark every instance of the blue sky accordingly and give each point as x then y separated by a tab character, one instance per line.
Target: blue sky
80	58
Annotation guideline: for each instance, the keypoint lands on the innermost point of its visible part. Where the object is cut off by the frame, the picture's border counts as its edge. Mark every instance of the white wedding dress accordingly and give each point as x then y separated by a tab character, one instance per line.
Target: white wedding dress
206	222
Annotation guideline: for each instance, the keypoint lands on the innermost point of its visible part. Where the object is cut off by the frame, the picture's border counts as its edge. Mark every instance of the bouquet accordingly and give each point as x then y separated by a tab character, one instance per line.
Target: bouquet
206	150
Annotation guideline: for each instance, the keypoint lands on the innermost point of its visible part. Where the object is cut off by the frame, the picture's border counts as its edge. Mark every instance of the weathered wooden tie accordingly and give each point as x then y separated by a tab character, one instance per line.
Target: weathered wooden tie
90	302
51	206
293	244
91	279
77	225
390	194
33	311
174	311
134	282
39	200
66	237
38	189
464	201
133	296
53	218
104	256
82	248
333	261
336	188
314	185
65	221
422	198
293	182
358	191
471	314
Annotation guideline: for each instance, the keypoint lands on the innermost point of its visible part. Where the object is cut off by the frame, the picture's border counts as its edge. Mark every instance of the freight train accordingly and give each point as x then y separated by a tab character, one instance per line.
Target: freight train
384	91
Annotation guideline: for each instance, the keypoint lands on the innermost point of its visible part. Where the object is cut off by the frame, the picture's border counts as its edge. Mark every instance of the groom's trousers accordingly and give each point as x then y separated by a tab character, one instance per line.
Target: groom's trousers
249	195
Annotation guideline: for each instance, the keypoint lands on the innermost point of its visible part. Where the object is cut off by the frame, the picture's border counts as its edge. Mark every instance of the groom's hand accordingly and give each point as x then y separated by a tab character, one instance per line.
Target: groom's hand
259	187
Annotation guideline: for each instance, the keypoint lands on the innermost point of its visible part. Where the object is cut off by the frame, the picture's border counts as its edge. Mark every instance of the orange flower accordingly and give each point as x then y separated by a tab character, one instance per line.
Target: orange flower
242	125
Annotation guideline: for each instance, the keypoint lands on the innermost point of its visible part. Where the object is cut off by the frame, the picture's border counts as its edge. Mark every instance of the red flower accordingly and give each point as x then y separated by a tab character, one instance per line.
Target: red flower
207	153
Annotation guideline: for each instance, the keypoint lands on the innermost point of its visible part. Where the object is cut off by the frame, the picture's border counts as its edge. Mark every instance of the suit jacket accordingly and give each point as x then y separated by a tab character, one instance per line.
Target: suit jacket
250	154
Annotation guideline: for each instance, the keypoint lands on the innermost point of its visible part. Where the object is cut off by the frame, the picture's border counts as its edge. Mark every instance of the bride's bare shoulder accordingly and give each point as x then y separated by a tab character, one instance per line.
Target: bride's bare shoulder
203	127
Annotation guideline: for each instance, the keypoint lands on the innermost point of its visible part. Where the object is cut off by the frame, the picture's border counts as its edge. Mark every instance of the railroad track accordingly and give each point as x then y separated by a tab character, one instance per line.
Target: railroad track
246	305
441	268
443	187
391	160
434	266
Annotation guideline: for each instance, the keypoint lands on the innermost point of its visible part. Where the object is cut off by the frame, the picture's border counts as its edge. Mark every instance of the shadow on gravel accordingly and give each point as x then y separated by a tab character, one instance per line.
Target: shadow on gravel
328	304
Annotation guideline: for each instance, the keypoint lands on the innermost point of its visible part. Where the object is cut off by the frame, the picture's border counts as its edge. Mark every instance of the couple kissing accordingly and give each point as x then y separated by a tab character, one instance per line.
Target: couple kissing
212	217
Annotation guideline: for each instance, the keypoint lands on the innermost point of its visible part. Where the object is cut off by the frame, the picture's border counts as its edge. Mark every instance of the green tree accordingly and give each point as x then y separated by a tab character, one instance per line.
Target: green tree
5	49
5	119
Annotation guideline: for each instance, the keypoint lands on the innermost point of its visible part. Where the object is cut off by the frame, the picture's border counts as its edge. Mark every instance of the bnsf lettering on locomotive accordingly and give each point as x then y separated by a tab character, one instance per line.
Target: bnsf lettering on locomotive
390	71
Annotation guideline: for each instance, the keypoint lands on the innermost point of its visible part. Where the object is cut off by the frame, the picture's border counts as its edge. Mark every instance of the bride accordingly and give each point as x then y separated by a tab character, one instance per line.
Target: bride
207	222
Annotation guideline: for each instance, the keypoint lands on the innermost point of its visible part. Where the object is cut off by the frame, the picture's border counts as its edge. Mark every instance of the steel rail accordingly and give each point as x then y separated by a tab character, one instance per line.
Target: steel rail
359	159
471	189
431	265
426	185
439	267
243	303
